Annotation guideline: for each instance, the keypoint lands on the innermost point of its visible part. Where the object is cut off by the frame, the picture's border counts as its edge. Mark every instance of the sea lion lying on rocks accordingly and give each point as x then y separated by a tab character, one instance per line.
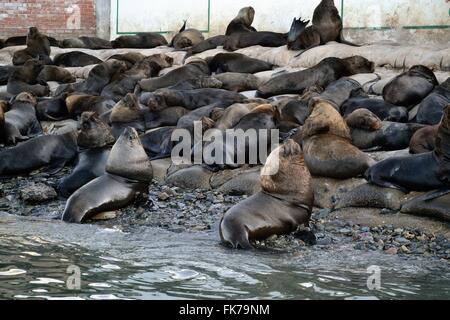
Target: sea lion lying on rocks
284	203
52	109
145	40
382	109
24	79
431	109
94	142
78	103
260	38
186	38
424	140
242	22
340	91
322	74
157	142
38	47
207	44
128	173
238	82
54	73
75	59
237	62
93	43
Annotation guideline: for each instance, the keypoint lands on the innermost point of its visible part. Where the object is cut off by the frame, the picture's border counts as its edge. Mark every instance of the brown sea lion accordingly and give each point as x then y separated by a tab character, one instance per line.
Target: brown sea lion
419	172
166	117
52	109
22	40
284	204
127	113
131	58
75	59
260	38
93	43
327	147
78	103
242	22
24	79
237	62
424	140
146	40
322	74
94	142
186	38
229	117
38	47
363	119
128	173
54	73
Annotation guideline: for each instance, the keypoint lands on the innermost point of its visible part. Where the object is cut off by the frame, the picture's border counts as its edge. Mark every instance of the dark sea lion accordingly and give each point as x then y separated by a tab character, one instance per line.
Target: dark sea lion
237	62
326	27
128	173
431	109
322	74
191	99
200	82
327	147
51	151
260	38
145	40
419	172
5	73
130	58
166	117
186	38
54	73
75	59
382	109
157	142
20	121
24	79
207	44
363	119
78	103
340	91
86	43
127	113
22	40
424	140
38	47
284	203
94	142
434	204
235	81
410	87
242	22
293	111
52	109
191	70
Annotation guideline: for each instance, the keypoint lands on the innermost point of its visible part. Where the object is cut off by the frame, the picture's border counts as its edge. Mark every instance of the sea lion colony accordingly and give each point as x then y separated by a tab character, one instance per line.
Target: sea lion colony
126	114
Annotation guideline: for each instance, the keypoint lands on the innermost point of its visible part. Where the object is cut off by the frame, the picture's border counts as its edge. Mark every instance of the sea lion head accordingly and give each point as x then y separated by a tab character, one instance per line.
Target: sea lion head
128	158
156	102
363	119
94	133
157	62
126	110
26	97
297	28
33	32
246	15
358	64
209	82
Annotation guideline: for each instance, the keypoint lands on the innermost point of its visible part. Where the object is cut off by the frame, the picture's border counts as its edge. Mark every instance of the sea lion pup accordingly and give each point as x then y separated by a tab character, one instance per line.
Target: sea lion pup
5	73
235	81
260	38
424	140
410	87
93	43
20	121
322	74
24	79
326	27
419	172
54	73
146	40
52	109
284	203
341	90
51	151
94	143
237	62
78	102
157	142
369	132
128	173
191	70
382	109
75	59
186	38
191	99
431	109
126	82
434	204
127	113
242	22
327	147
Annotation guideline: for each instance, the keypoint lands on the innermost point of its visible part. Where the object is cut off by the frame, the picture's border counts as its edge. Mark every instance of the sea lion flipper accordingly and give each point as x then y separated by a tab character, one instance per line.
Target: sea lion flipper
436	194
55	167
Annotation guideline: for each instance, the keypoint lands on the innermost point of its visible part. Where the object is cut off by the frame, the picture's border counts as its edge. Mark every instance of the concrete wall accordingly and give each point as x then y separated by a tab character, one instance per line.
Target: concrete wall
368	20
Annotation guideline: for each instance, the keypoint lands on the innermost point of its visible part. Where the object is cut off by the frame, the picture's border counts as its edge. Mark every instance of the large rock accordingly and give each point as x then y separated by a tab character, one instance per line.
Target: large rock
37	193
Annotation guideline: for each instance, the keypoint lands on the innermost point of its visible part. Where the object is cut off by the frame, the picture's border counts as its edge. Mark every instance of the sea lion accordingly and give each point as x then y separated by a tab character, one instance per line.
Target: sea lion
22	40
75	59
20	121
191	70
293	113
363	119
38	47
200	82
341	90
52	109
51	151
54	73
191	99
242	22
326	27
419	172
157	142
382	109
410	87
424	140
24	78
93	43
229	117
237	62
186	38
208	44
322	74
431	109
166	117
128	173
5	73
238	82
127	113
284	203
131	58
260	38
326	143
94	142
434	204
146	40
78	103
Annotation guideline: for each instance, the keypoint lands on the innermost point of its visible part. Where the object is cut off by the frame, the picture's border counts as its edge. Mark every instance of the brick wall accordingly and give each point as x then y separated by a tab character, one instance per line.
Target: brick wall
56	18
